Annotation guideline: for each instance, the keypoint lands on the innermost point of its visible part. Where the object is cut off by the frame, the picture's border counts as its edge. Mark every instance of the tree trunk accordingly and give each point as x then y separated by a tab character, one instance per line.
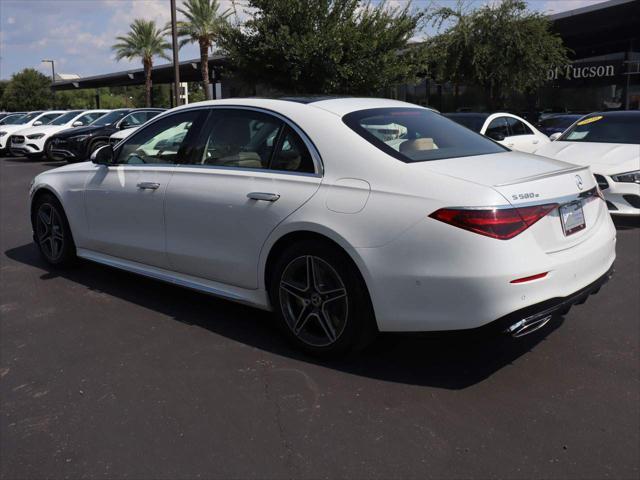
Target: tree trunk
147	79
204	67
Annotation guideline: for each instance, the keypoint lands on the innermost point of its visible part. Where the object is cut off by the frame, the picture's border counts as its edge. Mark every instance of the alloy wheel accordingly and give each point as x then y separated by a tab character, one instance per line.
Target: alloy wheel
50	232
314	301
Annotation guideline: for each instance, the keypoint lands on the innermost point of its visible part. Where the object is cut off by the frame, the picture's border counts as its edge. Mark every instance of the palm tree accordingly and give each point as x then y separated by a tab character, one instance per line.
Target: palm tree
144	40
202	25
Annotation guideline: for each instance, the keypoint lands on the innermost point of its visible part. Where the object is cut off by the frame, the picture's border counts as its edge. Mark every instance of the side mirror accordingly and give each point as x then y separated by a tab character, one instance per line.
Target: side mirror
37	123
77	123
554	136
125	125
497	136
103	155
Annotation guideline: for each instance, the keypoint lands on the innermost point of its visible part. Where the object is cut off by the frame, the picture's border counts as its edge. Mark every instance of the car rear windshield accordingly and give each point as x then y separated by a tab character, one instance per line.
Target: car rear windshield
109	118
64	118
418	134
605	129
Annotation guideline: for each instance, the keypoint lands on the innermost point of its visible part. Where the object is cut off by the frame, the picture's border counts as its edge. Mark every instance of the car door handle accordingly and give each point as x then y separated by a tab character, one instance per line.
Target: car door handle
509	144
148	185
536	141
267	197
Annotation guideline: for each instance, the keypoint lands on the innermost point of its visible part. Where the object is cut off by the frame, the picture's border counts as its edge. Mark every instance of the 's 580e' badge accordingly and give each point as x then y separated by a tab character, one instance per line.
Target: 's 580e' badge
525	196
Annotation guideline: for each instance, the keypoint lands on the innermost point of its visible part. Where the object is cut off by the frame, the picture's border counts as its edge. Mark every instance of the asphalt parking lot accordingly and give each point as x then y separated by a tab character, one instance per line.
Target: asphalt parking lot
106	374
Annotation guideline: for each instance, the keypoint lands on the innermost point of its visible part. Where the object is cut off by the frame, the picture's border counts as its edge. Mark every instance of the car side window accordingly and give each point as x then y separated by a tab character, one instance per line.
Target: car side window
48	118
134	119
292	155
498	125
517	127
162	142
87	118
240	139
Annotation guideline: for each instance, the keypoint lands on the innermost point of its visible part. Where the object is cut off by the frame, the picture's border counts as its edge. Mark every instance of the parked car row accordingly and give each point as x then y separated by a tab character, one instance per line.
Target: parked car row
607	142
66	135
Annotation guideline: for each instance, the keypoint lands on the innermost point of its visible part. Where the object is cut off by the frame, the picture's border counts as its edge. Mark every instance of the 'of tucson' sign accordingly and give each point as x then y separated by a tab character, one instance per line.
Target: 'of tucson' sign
571	72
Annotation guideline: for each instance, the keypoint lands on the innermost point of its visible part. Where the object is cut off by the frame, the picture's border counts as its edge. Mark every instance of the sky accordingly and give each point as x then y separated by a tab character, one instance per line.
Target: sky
78	34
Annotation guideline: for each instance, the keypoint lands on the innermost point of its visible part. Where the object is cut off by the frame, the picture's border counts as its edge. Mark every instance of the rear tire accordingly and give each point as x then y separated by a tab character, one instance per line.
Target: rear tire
51	231
320	299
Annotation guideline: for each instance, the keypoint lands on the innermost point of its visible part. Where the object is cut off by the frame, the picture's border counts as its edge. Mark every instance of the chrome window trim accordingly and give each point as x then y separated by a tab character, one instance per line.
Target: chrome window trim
315	154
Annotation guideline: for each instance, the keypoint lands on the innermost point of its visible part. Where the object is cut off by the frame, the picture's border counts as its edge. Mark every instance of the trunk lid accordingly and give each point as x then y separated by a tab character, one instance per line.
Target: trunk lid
525	180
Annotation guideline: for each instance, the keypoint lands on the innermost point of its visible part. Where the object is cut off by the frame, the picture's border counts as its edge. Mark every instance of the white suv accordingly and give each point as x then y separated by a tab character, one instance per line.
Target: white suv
31	119
33	141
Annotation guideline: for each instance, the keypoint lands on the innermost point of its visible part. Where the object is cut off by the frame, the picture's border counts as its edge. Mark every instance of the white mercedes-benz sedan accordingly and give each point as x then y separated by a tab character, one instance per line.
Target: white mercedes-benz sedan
346	216
608	143
505	128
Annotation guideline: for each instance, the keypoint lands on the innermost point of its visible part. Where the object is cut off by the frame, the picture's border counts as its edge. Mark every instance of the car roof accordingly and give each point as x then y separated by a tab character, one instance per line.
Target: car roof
635	114
337	105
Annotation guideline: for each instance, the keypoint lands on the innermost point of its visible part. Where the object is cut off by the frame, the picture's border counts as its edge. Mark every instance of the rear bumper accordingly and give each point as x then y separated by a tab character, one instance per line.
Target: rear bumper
439	278
541	311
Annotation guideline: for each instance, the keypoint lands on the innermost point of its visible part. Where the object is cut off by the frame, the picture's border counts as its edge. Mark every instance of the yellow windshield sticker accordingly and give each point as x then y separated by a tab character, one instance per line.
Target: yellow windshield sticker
587	121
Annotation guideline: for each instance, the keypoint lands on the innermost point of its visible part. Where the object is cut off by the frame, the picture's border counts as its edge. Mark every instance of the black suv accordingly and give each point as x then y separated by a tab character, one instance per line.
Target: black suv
77	144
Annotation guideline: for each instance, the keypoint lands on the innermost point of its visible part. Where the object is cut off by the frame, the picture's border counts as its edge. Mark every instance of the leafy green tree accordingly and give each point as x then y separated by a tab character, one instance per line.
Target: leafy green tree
204	23
501	46
145	41
27	90
326	46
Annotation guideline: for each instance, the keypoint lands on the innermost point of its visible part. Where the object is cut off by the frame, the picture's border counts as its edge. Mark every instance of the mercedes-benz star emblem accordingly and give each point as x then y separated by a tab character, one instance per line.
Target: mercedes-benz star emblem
579	182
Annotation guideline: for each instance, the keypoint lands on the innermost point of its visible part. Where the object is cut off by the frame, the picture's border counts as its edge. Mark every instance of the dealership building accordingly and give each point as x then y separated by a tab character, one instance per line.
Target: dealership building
604	39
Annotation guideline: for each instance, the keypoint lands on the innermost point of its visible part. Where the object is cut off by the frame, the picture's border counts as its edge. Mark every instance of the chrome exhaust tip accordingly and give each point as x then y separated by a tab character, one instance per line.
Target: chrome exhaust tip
527	326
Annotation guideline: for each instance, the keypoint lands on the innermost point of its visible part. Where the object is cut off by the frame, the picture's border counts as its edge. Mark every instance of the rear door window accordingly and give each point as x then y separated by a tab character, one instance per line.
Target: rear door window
240	139
517	127
498	126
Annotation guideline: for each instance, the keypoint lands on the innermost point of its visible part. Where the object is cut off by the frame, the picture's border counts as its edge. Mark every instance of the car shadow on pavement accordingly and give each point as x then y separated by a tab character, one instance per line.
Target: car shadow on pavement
451	361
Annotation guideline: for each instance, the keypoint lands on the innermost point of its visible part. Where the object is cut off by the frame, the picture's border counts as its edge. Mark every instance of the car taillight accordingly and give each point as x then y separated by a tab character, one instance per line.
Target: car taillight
500	223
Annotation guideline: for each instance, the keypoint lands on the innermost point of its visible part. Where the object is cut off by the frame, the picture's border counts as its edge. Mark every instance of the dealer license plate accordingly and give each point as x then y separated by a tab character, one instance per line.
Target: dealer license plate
572	218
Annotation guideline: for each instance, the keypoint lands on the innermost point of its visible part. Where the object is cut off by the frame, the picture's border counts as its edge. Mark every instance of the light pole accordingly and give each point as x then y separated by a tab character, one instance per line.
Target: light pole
53	79
176	62
53	70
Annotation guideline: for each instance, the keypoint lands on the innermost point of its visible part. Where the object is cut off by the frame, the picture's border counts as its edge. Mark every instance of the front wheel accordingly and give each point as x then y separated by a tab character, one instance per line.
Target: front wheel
321	300
95	146
51	231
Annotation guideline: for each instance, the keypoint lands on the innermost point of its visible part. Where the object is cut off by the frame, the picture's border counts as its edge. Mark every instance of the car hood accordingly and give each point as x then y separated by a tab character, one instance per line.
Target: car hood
495	169
603	158
46	129
13	128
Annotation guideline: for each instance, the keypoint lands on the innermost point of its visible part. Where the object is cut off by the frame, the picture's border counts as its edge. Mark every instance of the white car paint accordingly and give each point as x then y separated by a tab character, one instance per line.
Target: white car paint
116	137
605	159
528	143
23	145
198	229
40	119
